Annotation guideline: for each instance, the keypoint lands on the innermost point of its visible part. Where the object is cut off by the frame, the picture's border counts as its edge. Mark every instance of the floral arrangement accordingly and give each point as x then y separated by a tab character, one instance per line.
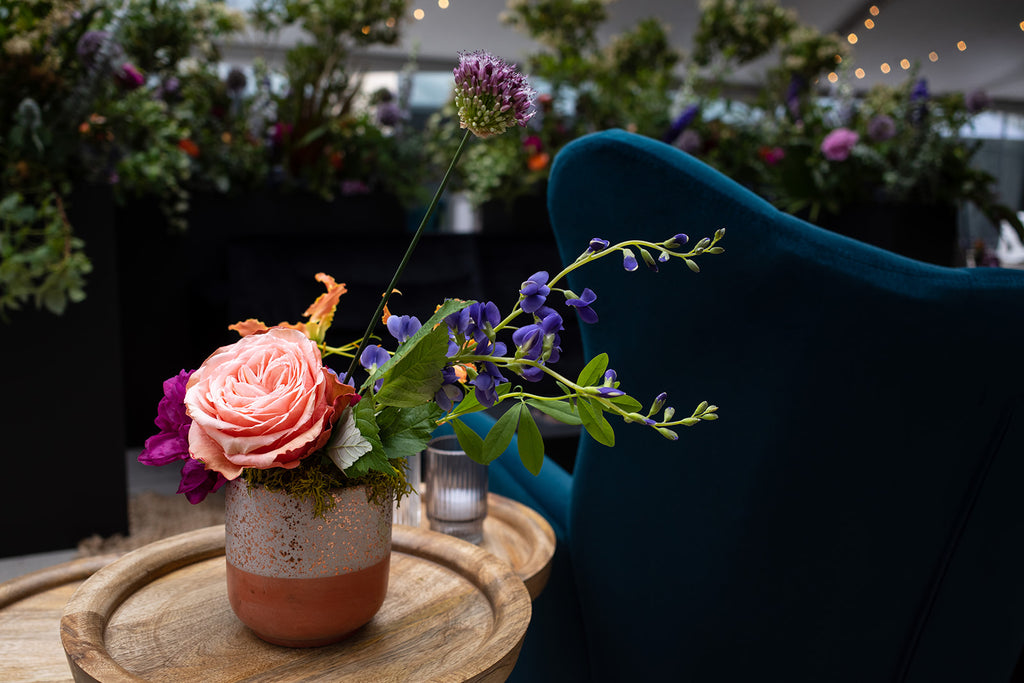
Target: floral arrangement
269	409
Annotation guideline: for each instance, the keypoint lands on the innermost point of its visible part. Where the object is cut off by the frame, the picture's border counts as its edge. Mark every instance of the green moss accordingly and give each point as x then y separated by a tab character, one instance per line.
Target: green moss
317	477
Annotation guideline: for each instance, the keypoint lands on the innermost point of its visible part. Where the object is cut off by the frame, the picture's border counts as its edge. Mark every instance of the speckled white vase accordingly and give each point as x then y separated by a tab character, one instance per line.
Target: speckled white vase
303	581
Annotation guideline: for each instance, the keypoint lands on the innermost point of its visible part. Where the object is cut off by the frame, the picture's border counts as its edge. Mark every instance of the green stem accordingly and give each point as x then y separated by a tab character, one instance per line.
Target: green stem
405	259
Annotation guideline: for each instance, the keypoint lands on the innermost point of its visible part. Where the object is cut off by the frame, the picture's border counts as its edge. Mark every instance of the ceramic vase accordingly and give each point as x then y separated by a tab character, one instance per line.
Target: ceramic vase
300	580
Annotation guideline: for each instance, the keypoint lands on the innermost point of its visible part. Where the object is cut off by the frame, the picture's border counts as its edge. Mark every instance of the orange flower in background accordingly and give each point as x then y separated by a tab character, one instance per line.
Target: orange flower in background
225	137
188	147
538	162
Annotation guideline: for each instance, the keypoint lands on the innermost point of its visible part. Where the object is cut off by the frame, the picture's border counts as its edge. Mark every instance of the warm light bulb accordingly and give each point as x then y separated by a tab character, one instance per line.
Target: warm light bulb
443	4
961	45
852	38
933	56
885	67
832	77
905	63
1022	26
874	10
839	59
390	23
859	73
869	24
417	14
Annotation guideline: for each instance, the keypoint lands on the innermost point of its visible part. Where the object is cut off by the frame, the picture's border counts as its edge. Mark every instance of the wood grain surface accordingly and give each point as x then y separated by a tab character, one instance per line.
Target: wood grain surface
454	612
30	609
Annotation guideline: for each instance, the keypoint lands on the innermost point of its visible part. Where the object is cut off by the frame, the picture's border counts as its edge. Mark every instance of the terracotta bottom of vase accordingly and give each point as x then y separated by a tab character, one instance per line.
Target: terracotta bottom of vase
307	612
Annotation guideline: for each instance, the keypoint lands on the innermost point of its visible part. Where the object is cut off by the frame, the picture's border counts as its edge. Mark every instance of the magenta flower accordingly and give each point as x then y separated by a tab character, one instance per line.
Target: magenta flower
171	444
837	145
491	96
130	77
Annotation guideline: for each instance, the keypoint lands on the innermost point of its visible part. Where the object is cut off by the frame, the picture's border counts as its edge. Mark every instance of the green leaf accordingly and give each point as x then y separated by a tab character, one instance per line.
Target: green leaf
594	422
593	372
531	443
414	378
470	441
560	410
470	404
347	443
500	435
406	431
627	403
376	459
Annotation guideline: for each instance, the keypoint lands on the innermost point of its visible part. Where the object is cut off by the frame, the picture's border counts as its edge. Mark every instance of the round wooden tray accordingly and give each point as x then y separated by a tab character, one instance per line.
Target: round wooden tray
30	609
454	612
520	536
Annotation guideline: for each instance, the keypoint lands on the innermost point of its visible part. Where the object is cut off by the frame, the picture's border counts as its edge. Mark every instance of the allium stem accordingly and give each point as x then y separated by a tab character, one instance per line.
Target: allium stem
405	259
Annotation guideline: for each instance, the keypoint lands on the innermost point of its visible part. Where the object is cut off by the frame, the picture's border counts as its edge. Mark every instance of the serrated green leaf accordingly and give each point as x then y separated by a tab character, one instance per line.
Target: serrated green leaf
500	435
406	431
531	443
595	424
416	376
593	372
560	410
470	441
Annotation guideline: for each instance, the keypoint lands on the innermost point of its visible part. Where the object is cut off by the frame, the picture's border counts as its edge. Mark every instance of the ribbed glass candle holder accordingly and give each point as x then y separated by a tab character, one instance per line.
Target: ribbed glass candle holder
456	496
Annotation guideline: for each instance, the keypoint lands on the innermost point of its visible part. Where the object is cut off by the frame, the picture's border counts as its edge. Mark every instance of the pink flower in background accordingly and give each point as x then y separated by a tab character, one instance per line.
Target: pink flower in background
837	145
264	401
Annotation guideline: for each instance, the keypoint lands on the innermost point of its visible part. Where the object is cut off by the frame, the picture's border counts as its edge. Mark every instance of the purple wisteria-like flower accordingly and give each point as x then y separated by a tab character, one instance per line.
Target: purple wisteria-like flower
582	306
171	444
491	96
534	291
402	327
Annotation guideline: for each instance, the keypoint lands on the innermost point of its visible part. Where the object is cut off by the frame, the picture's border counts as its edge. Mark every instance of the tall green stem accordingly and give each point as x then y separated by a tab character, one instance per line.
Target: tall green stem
405	259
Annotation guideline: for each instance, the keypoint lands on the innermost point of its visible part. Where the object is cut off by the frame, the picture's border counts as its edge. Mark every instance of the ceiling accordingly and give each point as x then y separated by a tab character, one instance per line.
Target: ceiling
904	29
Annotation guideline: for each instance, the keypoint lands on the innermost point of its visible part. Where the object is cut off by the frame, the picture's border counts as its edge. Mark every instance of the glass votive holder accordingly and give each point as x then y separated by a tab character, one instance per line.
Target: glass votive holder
456	496
409	510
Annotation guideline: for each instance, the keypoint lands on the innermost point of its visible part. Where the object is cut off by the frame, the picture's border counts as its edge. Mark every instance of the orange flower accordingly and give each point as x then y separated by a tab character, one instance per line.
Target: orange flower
321	312
225	137
387	312
538	162
252	326
188	147
83	127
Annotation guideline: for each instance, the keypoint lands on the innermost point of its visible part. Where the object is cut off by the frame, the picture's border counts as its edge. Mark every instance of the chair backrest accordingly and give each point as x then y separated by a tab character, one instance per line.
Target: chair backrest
856	512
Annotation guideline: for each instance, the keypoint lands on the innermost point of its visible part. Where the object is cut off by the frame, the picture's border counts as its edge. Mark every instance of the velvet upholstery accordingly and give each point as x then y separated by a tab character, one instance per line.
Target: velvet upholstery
856	512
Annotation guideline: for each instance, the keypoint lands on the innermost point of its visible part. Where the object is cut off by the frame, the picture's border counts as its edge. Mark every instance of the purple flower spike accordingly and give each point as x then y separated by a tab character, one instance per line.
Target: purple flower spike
629	260
534	291
597	244
402	327
582	306
490	94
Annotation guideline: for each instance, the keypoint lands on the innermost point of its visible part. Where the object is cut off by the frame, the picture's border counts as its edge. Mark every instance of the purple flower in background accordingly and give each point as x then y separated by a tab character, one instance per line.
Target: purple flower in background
130	77
837	145
919	91
170	89
402	327
389	114
682	121
792	99
89	46
881	127
690	141
490	94
171	444
977	100
582	306
534	291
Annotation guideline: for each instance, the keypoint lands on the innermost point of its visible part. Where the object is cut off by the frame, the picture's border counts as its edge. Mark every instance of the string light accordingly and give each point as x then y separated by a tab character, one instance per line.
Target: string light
852	38
961	45
885	67
832	77
859	73
874	10
933	56
868	24
905	63
443	4
417	14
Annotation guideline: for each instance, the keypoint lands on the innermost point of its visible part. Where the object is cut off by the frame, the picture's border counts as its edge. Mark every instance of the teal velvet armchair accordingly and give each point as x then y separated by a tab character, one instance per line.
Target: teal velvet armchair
856	513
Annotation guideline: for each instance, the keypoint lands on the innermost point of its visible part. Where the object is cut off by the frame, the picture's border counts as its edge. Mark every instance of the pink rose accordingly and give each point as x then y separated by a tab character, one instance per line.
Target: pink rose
837	145
264	401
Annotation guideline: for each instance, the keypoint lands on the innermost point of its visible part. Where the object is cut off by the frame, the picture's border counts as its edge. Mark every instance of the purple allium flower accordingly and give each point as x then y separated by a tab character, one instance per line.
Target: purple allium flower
534	291
90	44
172	442
977	100
582	306
402	327
130	77
837	145
490	94
919	91
170	88
597	244
881	127
629	260
682	121
690	142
